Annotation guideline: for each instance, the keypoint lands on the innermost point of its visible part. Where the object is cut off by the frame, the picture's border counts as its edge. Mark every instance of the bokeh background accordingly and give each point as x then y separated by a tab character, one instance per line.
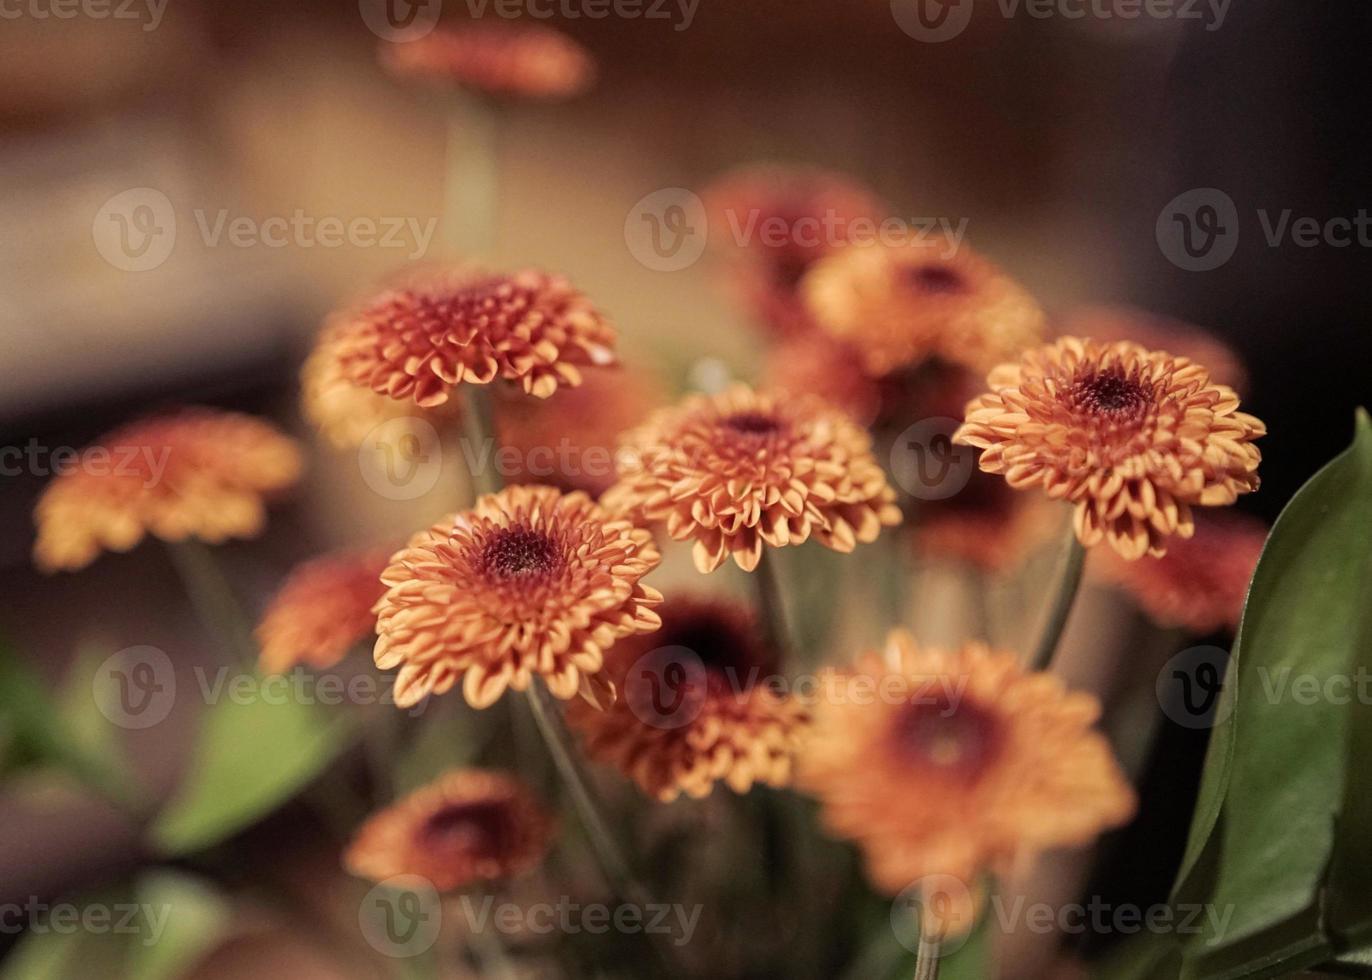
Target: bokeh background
1059	141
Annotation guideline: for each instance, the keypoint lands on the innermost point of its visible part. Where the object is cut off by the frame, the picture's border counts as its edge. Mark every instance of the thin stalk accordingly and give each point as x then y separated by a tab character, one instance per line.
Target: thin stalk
478	422
213	598
1069	583
472	182
927	959
771	613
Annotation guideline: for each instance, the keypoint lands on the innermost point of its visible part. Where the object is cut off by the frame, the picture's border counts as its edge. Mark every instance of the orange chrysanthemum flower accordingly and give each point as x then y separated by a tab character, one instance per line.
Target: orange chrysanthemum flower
569	440
529	582
1202	582
322	609
957	763
419	341
196	473
816	364
901	304
1110	323
469	825
531	62
1132	438
734	471
346	412
773	222
695	706
985	524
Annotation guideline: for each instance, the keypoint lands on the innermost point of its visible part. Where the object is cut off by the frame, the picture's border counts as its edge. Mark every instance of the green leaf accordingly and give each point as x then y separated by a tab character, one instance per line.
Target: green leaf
195	919
250	757
1264	831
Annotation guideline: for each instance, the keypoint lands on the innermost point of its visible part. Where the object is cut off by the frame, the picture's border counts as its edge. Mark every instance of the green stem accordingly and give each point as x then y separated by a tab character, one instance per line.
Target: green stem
213	598
478	421
473	178
1069	583
771	613
927	959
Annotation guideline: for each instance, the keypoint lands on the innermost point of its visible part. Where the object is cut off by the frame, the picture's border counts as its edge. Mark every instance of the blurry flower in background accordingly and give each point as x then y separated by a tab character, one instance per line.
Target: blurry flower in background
734	471
816	364
420	341
322	610
726	724
772	222
1132	438
985	524
468	825
569	440
1108	323
344	412
195	473
1202	581
523	61
529	582
979	767
898	305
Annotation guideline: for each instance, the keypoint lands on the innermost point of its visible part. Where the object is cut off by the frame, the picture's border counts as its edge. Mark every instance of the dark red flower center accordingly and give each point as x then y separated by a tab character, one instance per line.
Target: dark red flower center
477	828
937	280
518	551
723	648
752	423
1111	393
953	737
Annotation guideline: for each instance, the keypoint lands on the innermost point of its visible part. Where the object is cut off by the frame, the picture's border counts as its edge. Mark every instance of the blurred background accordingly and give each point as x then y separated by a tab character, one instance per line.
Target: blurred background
1062	143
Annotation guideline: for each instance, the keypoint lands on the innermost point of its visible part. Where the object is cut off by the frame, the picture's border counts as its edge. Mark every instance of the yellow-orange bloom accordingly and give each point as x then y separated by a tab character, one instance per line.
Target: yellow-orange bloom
530	582
1132	438
419	341
899	305
569	440
697	705
773	222
1202	582
344	411
321	611
196	473
468	825
957	763
1110	323
526	61
740	469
